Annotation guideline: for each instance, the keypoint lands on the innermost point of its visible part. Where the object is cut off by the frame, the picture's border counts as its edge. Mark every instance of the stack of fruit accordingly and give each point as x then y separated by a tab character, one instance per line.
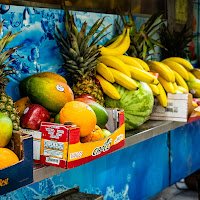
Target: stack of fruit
7	156
122	69
9	119
175	76
44	94
47	94
90	116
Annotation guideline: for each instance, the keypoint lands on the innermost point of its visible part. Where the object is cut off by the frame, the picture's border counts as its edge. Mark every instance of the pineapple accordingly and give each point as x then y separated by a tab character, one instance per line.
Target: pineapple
80	56
176	43
6	102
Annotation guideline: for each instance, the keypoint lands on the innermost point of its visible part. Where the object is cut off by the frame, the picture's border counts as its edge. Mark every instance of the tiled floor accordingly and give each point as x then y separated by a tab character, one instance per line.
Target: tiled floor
179	191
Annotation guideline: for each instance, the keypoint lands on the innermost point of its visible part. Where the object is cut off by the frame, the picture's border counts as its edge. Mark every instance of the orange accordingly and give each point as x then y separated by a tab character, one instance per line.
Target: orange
7	158
80	114
96	134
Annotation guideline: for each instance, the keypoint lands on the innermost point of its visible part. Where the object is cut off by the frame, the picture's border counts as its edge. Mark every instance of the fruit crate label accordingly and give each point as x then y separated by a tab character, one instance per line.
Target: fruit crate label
50	152
176	110
52	160
52	131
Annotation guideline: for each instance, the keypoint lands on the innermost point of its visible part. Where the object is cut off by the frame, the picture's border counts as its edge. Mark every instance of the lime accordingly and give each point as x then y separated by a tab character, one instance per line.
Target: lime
101	114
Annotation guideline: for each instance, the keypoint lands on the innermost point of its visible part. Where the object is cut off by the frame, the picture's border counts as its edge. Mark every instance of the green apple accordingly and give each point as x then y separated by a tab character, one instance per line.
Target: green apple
106	132
6	129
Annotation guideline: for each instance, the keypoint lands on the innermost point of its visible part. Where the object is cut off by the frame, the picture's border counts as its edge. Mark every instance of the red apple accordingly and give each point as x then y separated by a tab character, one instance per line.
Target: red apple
33	116
197	101
87	96
84	100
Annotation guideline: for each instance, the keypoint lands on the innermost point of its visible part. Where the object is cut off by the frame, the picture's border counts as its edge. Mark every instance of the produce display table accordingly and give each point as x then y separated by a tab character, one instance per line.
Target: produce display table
155	156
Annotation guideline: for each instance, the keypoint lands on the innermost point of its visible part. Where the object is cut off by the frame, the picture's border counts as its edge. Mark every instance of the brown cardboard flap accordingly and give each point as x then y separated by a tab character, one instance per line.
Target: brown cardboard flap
190	104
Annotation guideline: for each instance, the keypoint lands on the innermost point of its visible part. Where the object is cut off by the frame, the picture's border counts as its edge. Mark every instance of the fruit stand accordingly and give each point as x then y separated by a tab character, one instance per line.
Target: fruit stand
91	109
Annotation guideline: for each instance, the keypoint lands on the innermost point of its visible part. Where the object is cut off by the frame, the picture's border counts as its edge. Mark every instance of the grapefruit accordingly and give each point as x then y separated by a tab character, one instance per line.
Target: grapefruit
80	114
6	129
7	158
99	110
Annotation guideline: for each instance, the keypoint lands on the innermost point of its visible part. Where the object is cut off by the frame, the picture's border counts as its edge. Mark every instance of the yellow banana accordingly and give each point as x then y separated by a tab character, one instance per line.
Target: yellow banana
120	49
142	63
181	61
163	70
162	98
124	80
129	61
105	72
175	85
117	41
154	89
180	81
108	88
142	75
191	76
182	89
178	68
116	63
194	104
168	86
196	72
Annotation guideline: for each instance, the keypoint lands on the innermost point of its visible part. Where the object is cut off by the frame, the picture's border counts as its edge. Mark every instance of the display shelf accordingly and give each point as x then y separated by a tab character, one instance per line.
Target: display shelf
148	130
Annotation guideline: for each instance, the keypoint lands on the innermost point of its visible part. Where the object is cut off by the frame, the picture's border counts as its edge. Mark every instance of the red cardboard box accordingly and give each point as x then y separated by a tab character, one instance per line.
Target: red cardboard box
61	146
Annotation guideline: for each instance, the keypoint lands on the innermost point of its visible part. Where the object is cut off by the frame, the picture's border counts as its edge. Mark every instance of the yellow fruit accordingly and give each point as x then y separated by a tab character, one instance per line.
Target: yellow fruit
163	70
7	158
22	104
80	114
168	86
181	61
124	80
162	98
108	88
130	61
105	72
96	134
116	63
178	68
118	50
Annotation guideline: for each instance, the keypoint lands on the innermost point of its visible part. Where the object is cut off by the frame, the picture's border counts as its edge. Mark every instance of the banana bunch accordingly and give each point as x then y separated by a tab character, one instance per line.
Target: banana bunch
119	46
174	74
114	66
124	70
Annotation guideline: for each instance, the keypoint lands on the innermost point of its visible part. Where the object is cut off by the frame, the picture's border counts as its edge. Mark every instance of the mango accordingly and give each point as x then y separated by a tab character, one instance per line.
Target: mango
49	93
22	104
54	76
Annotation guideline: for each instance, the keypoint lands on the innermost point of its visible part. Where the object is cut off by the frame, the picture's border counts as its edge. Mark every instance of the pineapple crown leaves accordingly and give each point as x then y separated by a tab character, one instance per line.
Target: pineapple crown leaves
142	40
176	43
78	48
4	69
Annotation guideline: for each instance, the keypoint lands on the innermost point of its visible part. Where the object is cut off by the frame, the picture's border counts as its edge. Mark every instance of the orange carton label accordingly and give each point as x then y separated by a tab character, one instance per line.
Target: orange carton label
4	182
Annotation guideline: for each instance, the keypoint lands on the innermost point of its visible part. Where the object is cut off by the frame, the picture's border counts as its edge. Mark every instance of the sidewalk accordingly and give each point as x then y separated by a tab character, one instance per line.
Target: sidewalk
179	191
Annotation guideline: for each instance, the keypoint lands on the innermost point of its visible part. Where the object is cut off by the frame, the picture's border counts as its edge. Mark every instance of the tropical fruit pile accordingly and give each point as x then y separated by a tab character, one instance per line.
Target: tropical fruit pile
9	119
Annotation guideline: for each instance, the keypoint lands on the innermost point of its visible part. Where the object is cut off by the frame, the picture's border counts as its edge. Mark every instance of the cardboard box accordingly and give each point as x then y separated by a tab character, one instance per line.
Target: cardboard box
21	173
37	136
179	108
61	146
